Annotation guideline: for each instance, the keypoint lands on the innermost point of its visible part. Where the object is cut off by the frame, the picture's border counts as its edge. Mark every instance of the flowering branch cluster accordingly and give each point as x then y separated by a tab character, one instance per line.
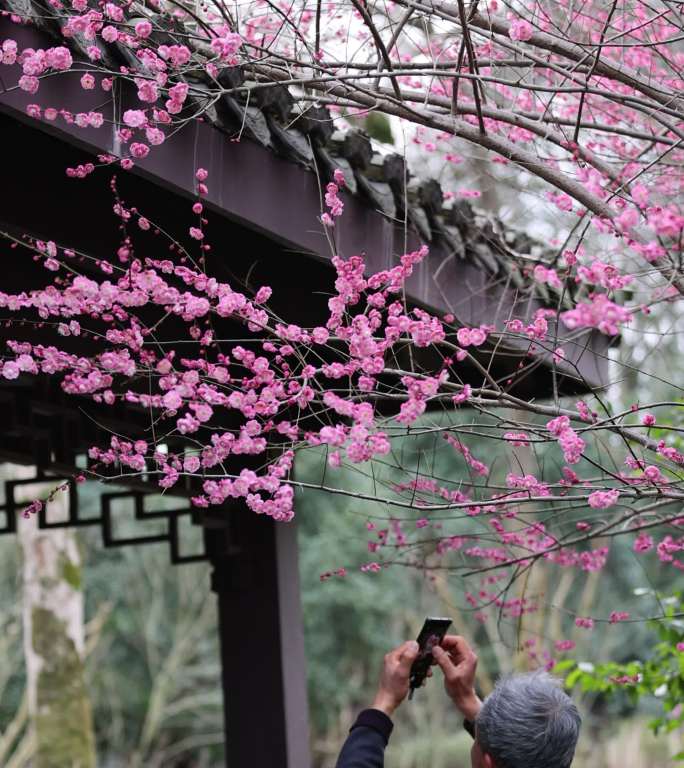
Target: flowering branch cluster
586	99
339	373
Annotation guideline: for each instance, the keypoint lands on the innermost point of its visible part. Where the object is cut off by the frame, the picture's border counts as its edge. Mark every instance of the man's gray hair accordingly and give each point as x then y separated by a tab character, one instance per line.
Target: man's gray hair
528	721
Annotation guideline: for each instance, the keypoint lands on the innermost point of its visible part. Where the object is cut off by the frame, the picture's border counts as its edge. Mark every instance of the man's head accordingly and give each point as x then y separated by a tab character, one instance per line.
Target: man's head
527	721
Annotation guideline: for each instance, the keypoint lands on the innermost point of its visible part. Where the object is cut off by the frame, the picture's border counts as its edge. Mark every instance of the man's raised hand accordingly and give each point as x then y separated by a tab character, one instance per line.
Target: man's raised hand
394	680
458	662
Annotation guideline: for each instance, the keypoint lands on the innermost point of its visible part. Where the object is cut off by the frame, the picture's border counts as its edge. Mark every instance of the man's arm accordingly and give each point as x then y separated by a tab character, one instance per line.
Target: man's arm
365	745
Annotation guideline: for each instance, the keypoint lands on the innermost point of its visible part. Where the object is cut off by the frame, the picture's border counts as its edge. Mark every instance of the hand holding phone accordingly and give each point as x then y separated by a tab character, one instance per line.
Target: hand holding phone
430	635
459	664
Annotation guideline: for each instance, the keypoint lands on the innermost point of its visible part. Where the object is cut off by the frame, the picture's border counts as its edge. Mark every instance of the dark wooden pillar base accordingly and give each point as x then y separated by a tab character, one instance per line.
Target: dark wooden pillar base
256	579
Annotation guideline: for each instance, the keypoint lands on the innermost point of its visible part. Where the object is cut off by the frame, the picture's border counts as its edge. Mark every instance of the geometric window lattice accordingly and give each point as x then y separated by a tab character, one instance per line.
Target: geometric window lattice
128	517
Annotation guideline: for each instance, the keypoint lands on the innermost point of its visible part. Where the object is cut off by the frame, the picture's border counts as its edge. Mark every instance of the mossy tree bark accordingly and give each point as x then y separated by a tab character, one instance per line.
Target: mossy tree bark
59	706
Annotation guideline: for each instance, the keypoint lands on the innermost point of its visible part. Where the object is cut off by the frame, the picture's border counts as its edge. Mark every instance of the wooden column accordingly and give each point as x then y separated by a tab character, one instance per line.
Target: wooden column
256	579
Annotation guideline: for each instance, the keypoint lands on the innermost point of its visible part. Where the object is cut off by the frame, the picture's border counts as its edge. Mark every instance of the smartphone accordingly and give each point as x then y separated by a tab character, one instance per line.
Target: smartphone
430	635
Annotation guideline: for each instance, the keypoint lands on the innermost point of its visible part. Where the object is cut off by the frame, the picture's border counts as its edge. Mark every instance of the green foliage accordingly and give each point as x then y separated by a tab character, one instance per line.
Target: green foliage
660	676
71	573
350	622
378	127
674	419
154	674
152	670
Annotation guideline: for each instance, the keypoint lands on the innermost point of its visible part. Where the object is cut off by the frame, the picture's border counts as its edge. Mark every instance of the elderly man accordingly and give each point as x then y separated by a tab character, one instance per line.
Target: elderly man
526	722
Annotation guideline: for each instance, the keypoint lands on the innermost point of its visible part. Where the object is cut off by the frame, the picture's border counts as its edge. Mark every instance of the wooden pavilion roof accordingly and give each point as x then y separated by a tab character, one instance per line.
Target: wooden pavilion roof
269	183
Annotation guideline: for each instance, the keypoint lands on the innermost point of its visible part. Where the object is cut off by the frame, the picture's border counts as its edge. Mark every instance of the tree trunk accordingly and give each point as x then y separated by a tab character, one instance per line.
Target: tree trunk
59	706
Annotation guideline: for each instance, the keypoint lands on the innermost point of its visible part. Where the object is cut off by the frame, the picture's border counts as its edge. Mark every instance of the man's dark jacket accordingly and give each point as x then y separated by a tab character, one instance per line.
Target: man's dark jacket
368	737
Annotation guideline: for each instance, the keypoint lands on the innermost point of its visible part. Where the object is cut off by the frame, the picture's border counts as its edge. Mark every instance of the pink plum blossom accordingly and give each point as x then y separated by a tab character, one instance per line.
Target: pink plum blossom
520	30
